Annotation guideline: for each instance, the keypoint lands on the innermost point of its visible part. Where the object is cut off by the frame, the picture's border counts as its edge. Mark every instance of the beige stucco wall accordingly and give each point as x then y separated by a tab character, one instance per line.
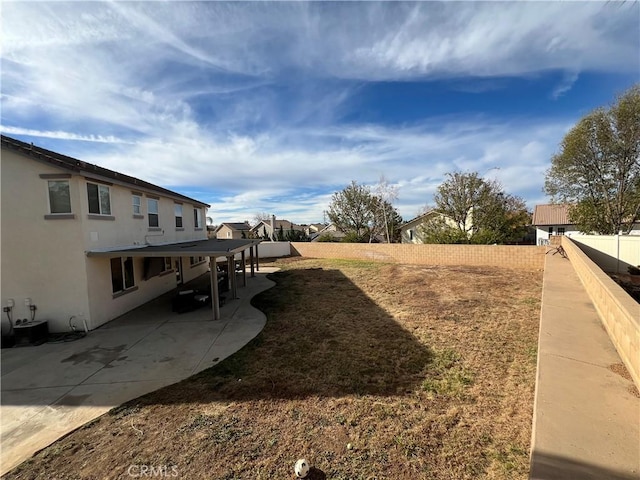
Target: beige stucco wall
45	259
127	231
106	307
41	259
620	314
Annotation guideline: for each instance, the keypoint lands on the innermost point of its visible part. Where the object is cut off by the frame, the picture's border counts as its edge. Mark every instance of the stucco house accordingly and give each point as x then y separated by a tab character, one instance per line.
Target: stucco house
552	219
264	228
83	241
410	231
231	230
328	231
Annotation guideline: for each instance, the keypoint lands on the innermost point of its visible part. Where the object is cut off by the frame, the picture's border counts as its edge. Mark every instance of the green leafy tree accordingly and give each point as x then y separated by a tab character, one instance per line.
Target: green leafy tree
361	215
470	209
597	169
351	211
296	236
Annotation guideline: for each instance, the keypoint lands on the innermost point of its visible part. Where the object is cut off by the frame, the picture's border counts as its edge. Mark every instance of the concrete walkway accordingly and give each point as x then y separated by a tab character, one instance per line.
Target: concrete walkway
52	389
586	418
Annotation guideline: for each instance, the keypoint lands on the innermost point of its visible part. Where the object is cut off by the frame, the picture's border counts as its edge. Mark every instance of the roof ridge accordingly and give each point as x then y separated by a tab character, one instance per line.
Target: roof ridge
71	163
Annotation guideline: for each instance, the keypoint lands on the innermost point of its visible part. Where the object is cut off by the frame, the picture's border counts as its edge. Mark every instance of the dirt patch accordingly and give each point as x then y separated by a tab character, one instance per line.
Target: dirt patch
629	284
620	369
367	370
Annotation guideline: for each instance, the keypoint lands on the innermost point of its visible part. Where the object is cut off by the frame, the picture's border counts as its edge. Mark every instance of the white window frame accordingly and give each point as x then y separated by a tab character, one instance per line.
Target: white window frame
49	196
135	197
100	187
153	211
177	208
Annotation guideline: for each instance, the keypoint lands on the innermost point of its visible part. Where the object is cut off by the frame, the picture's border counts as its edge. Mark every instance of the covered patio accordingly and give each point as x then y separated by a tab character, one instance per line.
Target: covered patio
51	389
215	249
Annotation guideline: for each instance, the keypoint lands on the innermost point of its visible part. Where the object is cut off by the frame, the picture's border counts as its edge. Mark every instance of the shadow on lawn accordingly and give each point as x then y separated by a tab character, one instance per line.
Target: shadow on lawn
324	336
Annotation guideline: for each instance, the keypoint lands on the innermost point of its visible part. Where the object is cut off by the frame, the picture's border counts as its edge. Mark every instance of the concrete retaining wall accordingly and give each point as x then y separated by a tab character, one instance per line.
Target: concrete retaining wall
619	313
506	256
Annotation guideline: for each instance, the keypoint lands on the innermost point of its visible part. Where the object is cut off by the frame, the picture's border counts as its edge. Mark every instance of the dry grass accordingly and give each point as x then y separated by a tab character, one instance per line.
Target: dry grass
370	371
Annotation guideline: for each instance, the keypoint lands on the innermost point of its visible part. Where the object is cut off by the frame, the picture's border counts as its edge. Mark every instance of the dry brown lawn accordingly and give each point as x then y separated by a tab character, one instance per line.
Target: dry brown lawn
370	371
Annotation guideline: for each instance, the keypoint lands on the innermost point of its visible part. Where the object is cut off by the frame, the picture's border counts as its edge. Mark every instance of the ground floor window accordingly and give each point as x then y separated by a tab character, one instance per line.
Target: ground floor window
196	260
122	277
560	230
154	266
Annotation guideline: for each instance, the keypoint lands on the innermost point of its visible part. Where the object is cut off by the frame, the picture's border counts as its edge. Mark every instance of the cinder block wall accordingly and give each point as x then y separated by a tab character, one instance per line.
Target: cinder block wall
507	256
619	313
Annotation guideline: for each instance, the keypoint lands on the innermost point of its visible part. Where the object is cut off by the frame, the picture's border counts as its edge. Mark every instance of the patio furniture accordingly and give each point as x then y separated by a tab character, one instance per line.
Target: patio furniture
189	300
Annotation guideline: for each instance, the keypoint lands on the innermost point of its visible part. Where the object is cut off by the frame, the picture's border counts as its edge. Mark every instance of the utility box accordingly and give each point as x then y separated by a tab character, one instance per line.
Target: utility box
31	333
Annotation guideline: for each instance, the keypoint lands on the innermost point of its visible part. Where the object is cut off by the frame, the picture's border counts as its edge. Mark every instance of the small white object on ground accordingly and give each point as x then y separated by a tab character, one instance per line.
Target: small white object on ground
302	468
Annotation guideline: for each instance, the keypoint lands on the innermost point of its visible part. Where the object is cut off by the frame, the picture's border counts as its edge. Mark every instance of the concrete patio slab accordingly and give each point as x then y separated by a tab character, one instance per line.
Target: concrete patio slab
50	390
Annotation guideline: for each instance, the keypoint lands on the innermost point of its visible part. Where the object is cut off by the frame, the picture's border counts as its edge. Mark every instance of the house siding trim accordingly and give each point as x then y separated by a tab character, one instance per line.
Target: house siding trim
93	216
55	176
60	216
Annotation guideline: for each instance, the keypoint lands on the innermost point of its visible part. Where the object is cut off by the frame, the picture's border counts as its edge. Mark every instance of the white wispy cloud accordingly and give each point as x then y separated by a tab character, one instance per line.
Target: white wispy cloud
242	100
60	135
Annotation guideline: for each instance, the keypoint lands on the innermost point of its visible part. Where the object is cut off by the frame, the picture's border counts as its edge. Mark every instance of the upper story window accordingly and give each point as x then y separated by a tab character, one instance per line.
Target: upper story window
197	218
99	199
178	209
152	212
136	201
59	196
410	234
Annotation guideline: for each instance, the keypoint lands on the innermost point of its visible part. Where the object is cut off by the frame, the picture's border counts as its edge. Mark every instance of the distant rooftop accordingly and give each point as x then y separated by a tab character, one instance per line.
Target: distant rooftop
551	214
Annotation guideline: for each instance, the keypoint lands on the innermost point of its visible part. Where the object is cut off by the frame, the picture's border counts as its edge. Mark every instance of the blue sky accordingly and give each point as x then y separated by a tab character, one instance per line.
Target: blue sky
272	107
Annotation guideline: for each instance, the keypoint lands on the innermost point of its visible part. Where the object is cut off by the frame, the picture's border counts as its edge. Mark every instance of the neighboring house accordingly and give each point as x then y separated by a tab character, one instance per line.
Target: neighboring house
328	231
552	219
411	231
312	229
233	230
60	219
264	227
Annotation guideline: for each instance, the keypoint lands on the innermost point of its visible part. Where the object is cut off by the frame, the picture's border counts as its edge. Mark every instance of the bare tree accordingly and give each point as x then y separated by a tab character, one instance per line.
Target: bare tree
387	194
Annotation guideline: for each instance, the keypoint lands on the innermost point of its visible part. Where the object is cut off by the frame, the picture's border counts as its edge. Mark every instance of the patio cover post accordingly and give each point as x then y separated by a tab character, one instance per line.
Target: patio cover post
244	269
215	296
231	266
253	274
257	259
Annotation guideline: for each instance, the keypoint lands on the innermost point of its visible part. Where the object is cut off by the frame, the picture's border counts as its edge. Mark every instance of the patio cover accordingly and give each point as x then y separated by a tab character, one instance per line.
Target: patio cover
212	248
